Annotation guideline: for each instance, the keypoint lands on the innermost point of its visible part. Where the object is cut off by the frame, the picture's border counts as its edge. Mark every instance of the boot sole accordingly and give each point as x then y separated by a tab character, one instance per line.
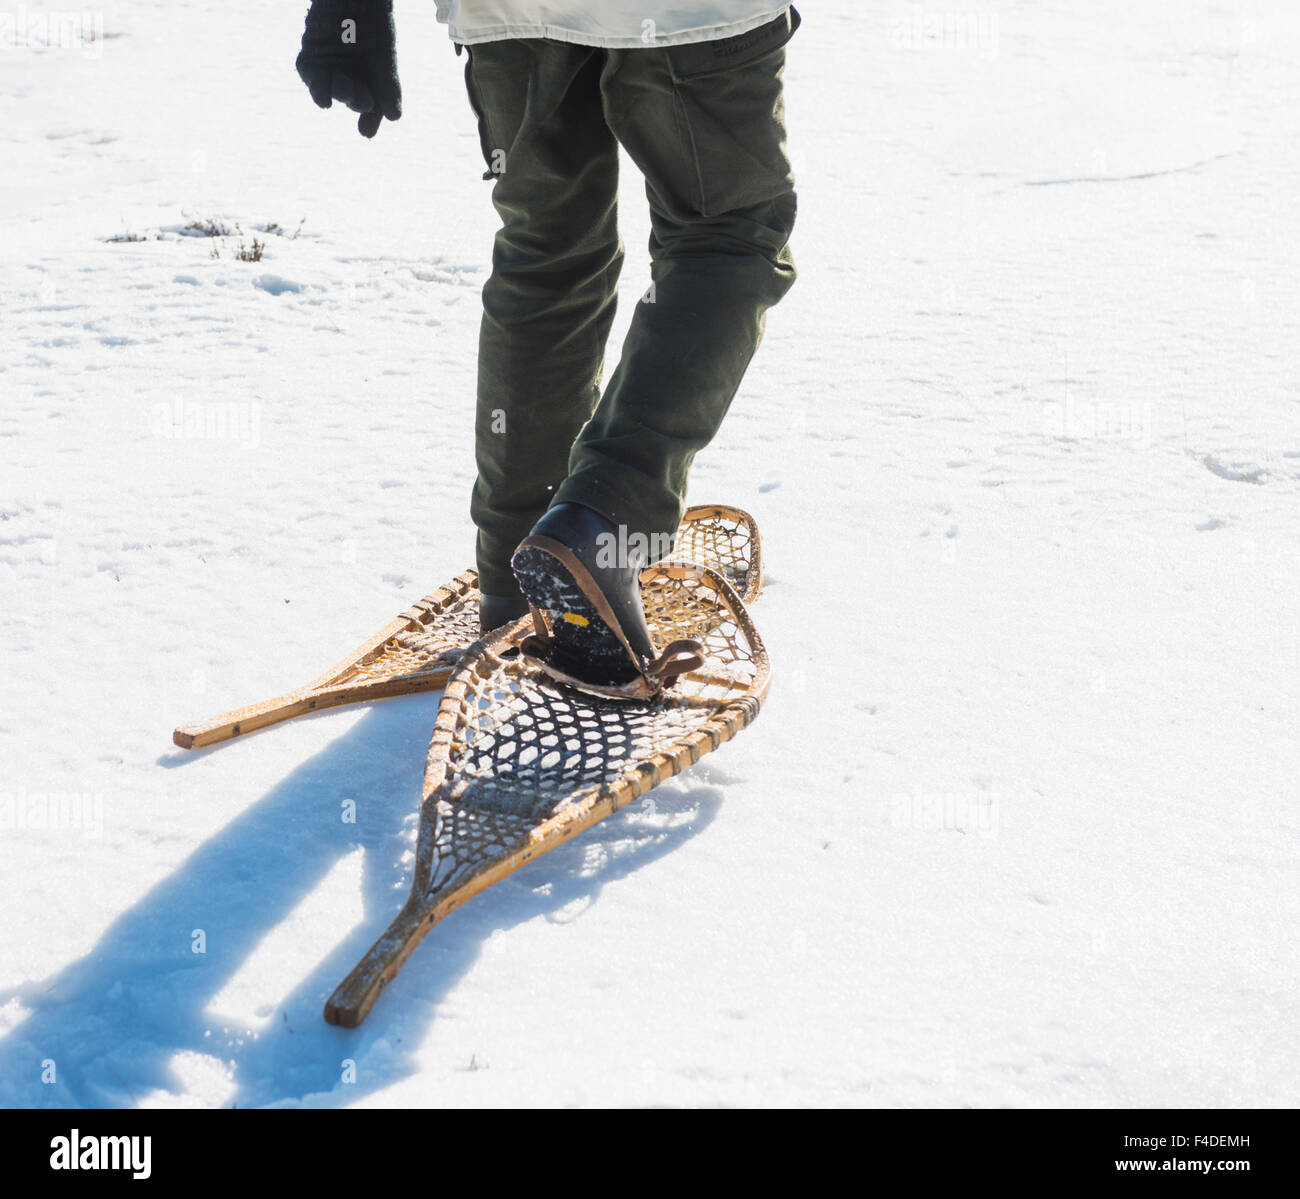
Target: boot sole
585	647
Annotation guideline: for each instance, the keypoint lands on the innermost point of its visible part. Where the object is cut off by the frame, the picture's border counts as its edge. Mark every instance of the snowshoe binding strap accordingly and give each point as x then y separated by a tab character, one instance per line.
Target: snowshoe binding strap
678	658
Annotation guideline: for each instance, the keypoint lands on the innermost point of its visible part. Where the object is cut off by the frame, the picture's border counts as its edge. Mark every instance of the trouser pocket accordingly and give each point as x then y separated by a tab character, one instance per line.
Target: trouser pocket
493	154
695	59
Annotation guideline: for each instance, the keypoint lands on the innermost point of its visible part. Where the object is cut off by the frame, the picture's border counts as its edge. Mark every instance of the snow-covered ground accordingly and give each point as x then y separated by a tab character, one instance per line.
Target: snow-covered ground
1019	823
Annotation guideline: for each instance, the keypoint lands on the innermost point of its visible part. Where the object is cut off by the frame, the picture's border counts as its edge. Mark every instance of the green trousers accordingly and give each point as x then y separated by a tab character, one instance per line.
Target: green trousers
704	122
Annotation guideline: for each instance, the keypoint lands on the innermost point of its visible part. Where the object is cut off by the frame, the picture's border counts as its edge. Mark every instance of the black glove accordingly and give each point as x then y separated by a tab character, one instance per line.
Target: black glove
349	54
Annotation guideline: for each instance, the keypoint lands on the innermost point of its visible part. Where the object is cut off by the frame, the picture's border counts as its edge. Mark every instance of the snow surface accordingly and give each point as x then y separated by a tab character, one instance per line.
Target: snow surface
1018	826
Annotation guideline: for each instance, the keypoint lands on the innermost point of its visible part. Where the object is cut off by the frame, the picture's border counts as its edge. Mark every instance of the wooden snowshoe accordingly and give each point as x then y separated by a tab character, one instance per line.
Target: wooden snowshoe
418	650
519	763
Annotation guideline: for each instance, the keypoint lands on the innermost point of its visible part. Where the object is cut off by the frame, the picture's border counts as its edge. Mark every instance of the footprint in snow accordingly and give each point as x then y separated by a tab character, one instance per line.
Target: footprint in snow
275	285
1236	472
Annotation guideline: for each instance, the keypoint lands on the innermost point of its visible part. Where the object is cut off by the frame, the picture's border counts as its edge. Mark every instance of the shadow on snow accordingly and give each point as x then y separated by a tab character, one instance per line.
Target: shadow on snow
113	1021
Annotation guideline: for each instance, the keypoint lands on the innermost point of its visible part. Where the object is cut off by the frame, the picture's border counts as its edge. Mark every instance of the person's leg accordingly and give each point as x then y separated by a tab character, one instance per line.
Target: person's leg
705	123
549	303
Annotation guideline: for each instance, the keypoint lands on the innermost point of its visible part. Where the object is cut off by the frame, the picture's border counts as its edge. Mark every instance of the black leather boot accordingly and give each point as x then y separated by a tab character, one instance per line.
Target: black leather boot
575	567
496	610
